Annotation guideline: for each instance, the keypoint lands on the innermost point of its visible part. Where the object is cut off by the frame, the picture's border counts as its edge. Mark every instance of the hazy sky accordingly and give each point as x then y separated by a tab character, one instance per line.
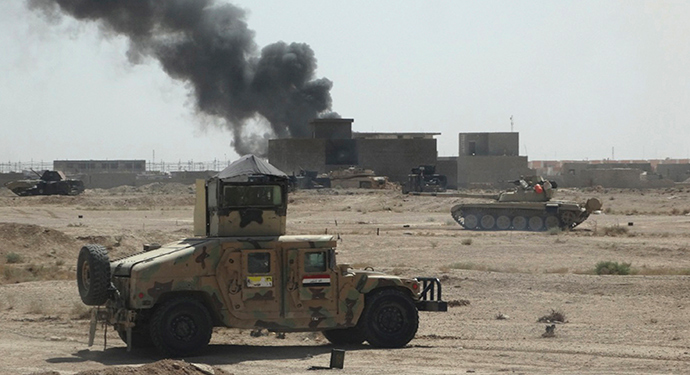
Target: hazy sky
582	79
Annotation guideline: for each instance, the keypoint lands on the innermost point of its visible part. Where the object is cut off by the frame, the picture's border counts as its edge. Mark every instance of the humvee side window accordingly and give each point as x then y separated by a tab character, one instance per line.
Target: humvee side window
259	263
252	196
315	261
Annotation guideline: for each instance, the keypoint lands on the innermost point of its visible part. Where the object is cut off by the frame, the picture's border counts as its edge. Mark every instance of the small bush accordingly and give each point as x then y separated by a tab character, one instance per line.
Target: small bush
612	268
466	241
615	230
553	317
13	257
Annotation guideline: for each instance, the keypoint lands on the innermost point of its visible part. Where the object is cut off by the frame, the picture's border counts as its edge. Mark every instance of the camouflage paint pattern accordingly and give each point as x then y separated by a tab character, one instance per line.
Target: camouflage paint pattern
289	297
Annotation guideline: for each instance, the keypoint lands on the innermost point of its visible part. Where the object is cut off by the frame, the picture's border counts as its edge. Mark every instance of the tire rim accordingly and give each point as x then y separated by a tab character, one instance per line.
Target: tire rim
390	319
183	328
86	275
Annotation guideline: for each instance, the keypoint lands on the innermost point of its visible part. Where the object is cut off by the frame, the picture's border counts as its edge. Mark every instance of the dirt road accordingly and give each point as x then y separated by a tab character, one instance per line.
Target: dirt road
501	283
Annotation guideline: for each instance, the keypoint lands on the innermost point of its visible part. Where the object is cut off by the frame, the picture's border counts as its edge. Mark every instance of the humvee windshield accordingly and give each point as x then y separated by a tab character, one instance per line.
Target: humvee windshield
252	196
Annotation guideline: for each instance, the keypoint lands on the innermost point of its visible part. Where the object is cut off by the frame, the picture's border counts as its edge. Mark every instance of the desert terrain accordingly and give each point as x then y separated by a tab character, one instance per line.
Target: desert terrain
499	284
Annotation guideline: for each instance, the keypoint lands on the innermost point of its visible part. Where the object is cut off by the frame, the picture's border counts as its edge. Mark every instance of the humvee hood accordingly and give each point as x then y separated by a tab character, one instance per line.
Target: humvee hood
123	266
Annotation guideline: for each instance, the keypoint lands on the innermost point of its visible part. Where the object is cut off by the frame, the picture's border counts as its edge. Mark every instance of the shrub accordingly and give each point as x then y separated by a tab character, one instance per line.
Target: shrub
615	230
554	316
13	257
466	241
612	268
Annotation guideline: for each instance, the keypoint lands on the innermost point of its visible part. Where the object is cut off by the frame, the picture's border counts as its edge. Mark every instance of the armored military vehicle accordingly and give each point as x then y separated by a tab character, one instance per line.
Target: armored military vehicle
527	207
242	271
49	183
424	179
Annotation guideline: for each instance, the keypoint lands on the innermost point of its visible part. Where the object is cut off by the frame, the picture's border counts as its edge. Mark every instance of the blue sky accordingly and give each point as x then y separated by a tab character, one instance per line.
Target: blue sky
582	79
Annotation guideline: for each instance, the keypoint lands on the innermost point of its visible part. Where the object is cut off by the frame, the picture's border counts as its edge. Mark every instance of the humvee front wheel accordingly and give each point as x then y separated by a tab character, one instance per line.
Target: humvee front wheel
346	336
389	319
93	274
181	327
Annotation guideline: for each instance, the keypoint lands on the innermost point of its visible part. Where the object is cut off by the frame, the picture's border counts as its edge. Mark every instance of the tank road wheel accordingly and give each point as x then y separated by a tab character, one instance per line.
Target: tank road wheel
347	336
536	223
568	219
181	327
488	222
389	319
503	222
519	223
552	222
471	221
93	274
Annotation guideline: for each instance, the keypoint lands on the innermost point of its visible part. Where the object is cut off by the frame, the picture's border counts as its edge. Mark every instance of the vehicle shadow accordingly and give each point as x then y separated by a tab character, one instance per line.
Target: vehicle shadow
221	354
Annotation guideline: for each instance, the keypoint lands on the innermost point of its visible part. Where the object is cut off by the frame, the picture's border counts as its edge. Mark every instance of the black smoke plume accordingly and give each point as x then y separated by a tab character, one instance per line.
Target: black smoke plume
208	44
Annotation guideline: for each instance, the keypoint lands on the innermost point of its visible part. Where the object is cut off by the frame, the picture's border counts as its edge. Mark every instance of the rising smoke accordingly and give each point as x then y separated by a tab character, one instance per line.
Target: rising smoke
208	44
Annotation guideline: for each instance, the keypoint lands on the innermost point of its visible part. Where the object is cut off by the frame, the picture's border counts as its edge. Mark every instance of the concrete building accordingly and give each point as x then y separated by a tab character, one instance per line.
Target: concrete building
334	146
489	159
73	167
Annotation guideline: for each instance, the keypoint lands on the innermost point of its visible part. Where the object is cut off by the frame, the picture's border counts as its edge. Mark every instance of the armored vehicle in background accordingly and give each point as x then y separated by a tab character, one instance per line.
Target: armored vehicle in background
527	207
242	271
424	179
49	183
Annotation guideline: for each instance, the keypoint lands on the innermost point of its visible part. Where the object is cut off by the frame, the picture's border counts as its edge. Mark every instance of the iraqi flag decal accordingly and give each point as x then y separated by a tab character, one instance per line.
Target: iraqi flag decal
316	280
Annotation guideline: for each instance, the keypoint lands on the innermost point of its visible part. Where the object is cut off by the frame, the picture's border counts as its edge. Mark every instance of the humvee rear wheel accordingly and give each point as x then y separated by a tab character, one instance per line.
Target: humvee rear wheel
181	327
503	222
519	223
488	221
471	221
347	336
93	274
389	319
536	223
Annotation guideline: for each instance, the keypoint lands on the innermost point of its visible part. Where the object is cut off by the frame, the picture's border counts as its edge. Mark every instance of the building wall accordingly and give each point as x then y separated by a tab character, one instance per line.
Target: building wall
490	170
99	166
331	128
291	155
395	157
108	180
189	178
489	144
674	172
448	165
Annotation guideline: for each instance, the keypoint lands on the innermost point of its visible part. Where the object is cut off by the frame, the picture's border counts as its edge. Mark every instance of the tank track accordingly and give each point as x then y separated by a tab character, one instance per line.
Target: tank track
489	218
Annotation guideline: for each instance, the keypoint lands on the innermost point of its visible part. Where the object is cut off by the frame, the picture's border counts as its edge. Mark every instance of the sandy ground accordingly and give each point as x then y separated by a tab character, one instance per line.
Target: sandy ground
616	324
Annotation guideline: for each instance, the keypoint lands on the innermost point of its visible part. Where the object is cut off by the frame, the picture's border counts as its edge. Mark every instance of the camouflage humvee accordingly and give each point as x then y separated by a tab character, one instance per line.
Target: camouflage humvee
242	271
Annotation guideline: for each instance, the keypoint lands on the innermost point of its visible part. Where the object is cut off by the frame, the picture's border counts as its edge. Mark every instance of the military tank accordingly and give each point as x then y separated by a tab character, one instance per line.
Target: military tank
529	206
49	183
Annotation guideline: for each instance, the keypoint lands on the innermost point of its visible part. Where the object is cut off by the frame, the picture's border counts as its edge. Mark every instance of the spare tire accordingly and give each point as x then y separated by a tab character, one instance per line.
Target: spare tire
93	274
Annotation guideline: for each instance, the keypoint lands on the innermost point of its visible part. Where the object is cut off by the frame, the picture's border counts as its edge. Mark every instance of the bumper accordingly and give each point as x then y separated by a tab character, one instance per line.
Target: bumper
431	299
